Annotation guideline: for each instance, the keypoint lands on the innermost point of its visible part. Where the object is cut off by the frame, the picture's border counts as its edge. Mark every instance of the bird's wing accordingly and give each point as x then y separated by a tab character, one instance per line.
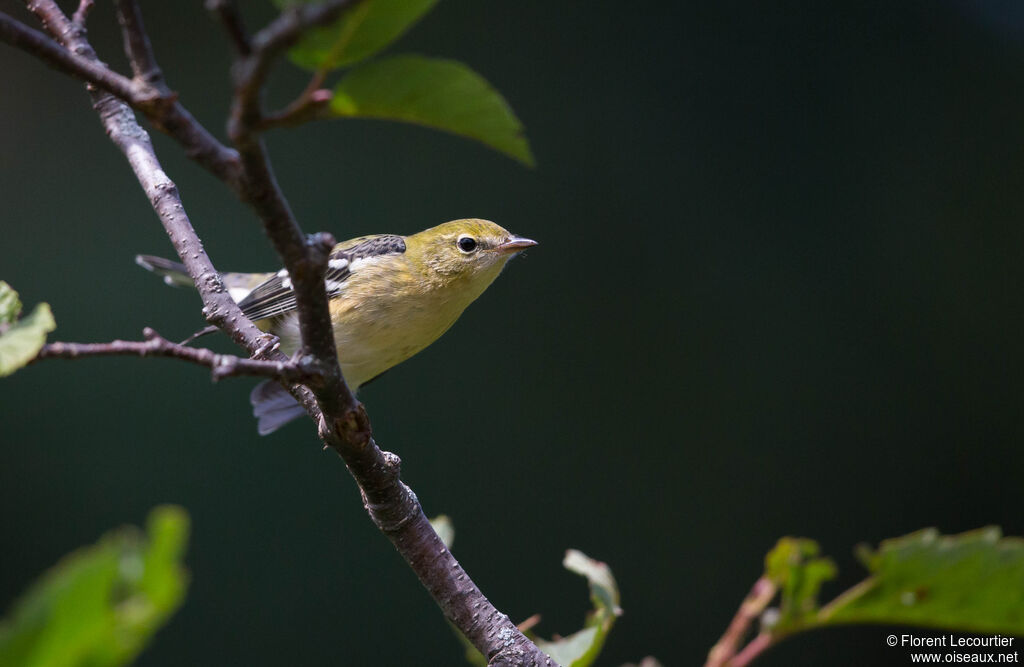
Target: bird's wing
275	296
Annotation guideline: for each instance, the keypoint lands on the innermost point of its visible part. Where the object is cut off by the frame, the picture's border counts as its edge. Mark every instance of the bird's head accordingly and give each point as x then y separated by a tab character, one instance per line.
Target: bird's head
469	251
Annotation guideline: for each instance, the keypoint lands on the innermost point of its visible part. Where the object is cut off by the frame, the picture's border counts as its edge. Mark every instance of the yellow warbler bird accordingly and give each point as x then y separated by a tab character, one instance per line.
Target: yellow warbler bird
390	296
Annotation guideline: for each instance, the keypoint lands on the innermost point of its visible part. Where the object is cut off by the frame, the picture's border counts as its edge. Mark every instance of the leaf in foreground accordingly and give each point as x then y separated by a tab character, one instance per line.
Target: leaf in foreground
10	304
445	529
21	339
973	582
581	649
649	661
798	572
441	94
100	605
360	32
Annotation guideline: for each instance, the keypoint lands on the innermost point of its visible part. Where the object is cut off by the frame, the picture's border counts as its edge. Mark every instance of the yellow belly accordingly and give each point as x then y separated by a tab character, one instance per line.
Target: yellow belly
372	338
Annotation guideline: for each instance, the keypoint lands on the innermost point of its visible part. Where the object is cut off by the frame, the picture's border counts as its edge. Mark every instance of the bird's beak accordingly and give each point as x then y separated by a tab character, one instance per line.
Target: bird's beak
515	244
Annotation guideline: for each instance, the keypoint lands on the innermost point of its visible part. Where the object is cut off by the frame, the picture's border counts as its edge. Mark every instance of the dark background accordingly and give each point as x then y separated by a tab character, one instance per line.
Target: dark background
777	292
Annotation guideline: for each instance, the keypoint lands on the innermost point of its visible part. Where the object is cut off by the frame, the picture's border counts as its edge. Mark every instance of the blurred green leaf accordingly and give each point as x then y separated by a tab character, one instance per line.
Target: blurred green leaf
10	304
20	340
444	528
973	581
100	605
604	592
441	94
581	648
649	661
795	568
360	32
473	656
578	649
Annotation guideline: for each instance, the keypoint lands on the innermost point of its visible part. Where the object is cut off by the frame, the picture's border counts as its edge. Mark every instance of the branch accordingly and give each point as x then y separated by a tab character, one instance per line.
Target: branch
89	70
304	258
124	131
227	12
133	141
82	13
155	345
751	651
344	425
750	609
151	97
136	44
286	30
170	116
250	73
314	100
311	104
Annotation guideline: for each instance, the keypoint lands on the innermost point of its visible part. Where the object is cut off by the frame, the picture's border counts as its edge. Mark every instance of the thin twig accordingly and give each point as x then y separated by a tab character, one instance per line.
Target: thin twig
314	100
82	13
134	142
250	73
72	54
296	20
28	39
155	345
58	25
308	106
124	131
171	117
137	47
227	12
751	651
753	605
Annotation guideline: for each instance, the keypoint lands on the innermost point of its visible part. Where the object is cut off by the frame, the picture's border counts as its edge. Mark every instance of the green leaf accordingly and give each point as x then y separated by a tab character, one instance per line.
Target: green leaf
604	592
649	661
473	656
441	94
795	568
10	304
444	528
360	32
581	648
99	606
21	340
574	650
973	582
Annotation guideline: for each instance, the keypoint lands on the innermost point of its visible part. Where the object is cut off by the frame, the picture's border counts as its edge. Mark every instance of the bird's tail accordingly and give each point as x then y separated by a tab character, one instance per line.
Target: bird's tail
176	275
173	273
273	406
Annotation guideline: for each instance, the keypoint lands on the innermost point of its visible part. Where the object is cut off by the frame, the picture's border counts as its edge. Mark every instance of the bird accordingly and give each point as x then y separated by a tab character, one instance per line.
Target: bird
390	296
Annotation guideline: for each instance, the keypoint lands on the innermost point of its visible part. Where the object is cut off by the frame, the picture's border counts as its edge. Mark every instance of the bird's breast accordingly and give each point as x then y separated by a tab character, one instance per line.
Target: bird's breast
373	336
384	315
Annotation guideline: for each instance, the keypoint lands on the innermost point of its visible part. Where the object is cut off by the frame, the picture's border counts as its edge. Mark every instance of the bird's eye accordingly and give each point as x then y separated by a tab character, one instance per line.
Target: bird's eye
467	244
